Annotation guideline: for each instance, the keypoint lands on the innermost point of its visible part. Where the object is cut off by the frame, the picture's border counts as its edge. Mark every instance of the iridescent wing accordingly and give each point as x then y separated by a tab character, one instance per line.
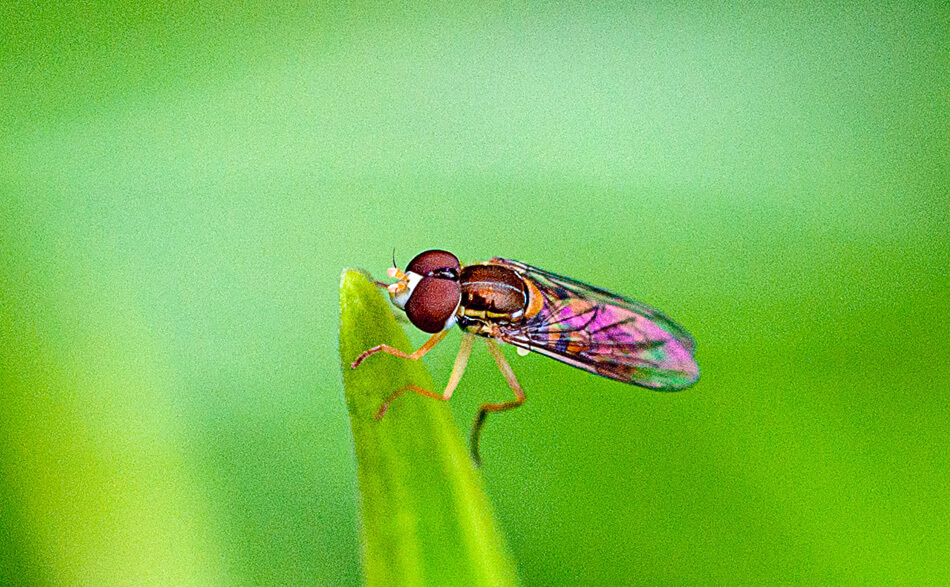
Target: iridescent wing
601	332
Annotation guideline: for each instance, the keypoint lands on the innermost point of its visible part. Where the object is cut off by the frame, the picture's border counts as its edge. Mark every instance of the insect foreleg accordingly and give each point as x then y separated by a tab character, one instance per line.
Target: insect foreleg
416	355
505	369
458	369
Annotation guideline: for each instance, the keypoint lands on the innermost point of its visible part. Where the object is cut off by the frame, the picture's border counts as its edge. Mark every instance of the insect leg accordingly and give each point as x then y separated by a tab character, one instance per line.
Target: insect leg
505	369
461	360
385	348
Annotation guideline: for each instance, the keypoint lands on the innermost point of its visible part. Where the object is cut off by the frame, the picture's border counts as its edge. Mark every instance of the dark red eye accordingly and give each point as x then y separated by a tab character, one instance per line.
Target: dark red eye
432	303
429	261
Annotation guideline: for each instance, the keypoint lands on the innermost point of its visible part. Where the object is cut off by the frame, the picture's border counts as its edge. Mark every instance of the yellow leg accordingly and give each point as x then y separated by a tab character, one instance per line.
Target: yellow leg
461	360
509	375
415	356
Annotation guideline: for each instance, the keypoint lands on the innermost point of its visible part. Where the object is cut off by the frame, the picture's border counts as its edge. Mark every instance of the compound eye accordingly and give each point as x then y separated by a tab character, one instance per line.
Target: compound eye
429	262
432	303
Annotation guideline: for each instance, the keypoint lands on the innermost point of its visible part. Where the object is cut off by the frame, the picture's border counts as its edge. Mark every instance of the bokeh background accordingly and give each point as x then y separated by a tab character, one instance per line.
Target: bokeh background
180	187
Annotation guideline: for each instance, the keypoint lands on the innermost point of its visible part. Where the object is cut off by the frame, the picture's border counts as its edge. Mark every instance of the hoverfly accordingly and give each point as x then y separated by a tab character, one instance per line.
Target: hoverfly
536	311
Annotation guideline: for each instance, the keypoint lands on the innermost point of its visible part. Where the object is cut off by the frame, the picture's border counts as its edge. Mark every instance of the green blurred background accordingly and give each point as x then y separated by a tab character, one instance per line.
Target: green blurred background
180	187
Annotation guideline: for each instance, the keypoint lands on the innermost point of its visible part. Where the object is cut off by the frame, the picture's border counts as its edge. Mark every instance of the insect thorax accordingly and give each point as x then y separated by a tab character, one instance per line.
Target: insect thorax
492	293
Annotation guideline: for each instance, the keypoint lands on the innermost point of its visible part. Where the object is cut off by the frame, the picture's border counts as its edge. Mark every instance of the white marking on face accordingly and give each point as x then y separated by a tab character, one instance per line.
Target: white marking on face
404	289
413	280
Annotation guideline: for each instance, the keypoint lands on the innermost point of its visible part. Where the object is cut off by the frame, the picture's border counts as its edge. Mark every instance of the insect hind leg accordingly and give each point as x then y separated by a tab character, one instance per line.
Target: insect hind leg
483	412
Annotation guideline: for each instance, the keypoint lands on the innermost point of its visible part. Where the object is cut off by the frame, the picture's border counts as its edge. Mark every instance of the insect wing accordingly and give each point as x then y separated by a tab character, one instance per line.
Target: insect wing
604	333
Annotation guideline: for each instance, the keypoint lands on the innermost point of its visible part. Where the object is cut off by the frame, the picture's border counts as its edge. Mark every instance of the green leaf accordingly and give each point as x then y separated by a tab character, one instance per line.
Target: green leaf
426	518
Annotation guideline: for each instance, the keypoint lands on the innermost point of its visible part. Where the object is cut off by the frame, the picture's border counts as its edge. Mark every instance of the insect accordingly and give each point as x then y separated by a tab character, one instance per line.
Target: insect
536	311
